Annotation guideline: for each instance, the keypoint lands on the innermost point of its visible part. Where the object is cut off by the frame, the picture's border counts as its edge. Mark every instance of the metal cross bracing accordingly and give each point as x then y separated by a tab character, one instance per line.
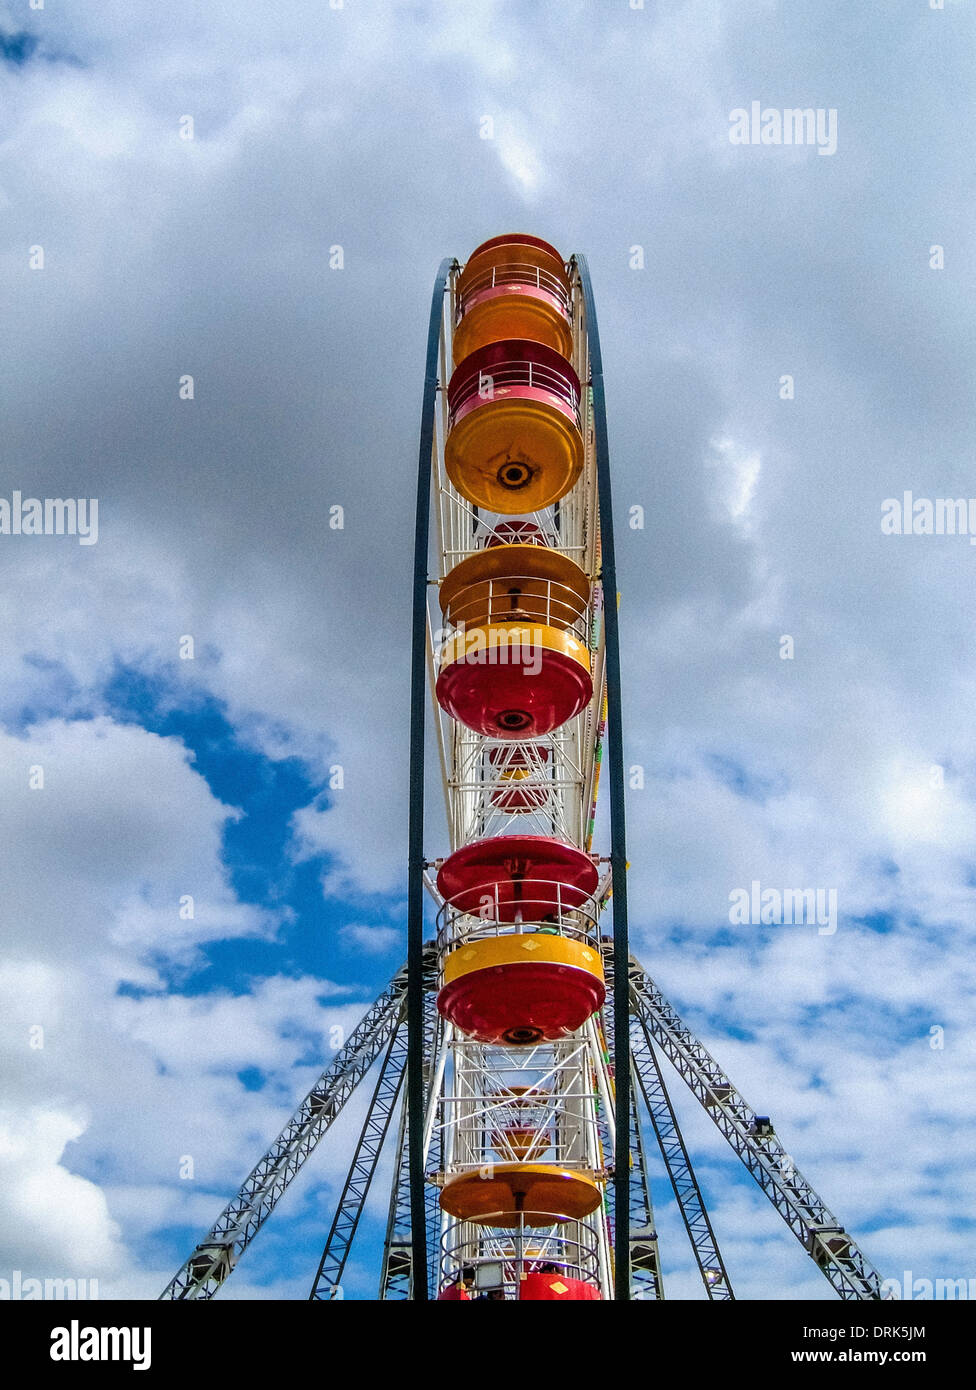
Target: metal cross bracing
214	1258
366	1156
646	1278
328	1279
647	1281
754	1140
396	1273
649	1077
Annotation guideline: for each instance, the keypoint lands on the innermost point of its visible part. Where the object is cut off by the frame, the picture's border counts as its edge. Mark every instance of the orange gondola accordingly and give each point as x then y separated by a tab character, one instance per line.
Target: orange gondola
521	1194
514	441
513	287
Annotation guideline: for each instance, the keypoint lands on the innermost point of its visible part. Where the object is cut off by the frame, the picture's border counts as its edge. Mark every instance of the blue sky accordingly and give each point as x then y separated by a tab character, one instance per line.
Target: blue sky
850	766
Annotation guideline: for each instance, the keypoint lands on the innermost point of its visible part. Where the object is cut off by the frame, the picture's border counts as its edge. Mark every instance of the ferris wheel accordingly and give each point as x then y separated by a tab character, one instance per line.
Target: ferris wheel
517	1057
522	1116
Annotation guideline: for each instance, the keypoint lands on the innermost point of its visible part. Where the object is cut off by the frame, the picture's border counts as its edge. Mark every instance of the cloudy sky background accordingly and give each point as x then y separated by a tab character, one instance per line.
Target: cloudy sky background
361	127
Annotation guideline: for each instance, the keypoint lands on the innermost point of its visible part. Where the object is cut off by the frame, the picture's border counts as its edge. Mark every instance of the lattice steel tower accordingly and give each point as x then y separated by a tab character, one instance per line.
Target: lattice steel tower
515	1057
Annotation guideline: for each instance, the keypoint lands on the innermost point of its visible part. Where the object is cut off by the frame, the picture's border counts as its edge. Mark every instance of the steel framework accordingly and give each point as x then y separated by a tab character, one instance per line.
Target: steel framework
753	1139
653	1021
237	1225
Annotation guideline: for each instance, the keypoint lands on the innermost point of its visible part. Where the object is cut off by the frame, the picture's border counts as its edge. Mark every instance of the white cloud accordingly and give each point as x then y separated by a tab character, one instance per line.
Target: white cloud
54	1222
374	939
93	866
738	474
